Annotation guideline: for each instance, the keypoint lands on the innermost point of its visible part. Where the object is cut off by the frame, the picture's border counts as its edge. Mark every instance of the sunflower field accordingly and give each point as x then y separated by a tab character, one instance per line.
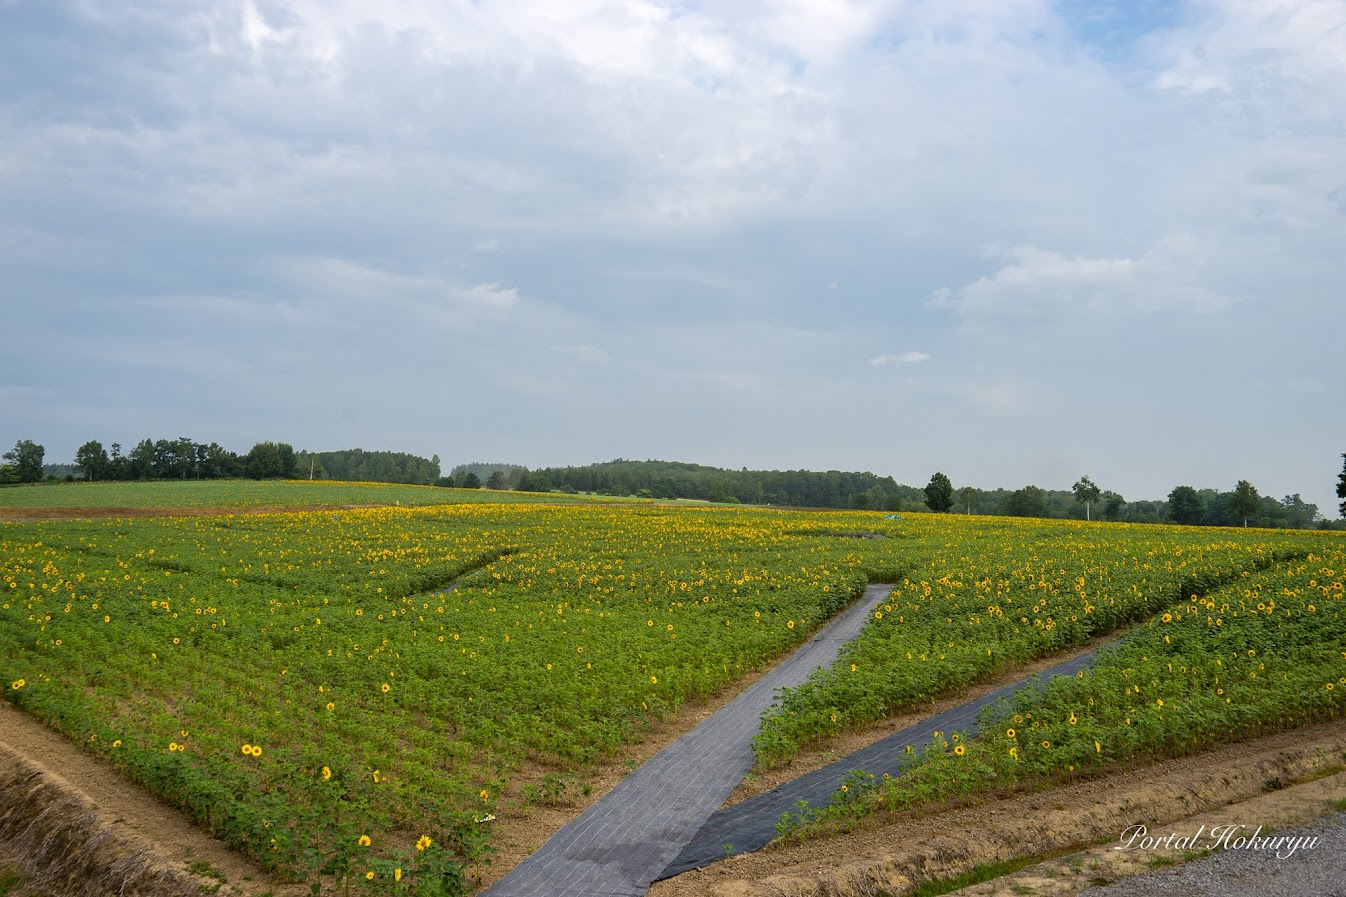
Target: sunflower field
350	696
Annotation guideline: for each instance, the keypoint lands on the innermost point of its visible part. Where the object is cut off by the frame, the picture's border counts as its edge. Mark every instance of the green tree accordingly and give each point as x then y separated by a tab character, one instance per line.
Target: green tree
939	493
269	461
496	480
1112	506
537	482
1086	493
715	490
471	481
1341	486
967	497
118	467
1030	501
184	457
1296	513
26	456
92	460
1245	501
141	460
1186	507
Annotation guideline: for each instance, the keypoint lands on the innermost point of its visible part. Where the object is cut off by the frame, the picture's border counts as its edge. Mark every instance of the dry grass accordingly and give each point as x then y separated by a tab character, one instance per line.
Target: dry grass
58	844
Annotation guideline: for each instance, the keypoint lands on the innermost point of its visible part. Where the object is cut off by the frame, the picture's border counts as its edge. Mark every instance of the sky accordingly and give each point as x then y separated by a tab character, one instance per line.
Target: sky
1016	241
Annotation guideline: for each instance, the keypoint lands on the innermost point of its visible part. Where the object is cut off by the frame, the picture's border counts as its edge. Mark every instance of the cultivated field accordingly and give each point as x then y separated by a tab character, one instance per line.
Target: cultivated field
362	696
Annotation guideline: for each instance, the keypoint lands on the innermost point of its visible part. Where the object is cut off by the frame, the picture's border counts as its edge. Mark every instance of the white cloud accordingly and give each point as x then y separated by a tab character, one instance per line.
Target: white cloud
1039	283
489	295
256	31
1274	50
904	358
582	354
691	179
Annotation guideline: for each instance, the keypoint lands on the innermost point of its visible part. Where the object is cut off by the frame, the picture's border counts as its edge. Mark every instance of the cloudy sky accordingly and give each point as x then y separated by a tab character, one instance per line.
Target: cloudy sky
1014	240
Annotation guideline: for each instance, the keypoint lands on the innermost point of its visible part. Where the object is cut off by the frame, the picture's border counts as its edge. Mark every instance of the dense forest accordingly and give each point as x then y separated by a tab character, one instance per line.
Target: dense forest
358	465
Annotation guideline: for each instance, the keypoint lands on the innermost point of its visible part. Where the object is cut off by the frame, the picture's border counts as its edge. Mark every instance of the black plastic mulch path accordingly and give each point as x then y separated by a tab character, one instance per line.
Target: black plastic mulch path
749	825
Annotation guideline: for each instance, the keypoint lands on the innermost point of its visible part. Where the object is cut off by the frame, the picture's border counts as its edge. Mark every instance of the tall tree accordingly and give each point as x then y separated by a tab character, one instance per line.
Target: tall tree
1341	486
1112	506
967	497
1245	501
142	460
1186	507
92	460
184	453
26	456
1086	493
939	493
118	467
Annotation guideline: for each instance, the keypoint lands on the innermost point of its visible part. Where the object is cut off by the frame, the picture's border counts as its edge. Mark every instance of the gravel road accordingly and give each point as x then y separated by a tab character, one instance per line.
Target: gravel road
1249	871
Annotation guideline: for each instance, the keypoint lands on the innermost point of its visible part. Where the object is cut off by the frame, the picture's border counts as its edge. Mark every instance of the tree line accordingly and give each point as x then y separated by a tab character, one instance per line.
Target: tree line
671	479
1241	506
186	459
358	465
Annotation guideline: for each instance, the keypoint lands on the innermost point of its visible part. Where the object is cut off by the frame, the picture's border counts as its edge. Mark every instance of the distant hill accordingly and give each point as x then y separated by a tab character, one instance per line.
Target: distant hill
675	479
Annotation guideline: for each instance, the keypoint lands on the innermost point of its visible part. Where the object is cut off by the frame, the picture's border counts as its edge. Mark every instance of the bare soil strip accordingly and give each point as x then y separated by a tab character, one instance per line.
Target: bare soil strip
1108	863
72	823
18	514
891	855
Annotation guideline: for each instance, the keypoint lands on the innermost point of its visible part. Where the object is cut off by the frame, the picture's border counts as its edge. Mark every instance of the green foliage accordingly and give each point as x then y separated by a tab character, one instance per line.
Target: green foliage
481	471
1263	652
1086	493
939	493
270	461
244	494
26	457
1186	507
989	595
1245	501
91	460
1341	486
967	498
671	479
370	700
376	702
360	466
1030	501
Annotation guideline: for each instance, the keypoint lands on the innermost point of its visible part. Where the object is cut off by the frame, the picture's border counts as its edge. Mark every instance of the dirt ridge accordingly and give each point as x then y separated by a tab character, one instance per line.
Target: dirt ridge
59	841
891	856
